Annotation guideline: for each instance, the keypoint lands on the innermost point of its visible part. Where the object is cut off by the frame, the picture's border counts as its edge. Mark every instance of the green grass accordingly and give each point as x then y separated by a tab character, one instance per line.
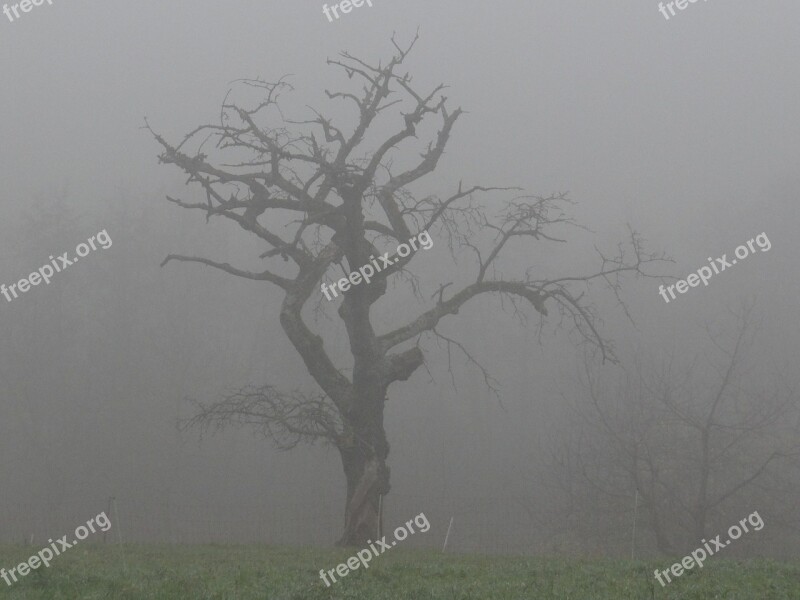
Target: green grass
266	573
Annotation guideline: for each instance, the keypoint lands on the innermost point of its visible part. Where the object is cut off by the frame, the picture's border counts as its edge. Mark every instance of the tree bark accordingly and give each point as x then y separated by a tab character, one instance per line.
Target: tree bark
364	451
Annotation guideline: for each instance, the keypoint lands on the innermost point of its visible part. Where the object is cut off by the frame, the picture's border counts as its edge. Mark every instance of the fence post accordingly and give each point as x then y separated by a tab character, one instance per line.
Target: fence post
447	536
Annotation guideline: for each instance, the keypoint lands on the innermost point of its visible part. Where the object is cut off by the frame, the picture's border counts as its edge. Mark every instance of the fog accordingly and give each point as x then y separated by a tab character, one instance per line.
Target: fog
685	130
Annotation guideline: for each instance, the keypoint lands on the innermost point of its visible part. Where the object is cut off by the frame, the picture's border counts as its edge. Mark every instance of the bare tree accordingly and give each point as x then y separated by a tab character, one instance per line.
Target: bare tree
692	439
317	193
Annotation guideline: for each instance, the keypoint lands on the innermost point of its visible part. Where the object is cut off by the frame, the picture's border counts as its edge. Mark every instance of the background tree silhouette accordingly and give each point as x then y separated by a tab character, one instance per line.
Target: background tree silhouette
700	441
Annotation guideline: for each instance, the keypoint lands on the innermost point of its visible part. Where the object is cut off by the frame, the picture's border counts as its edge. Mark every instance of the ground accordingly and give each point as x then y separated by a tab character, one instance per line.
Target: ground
142	572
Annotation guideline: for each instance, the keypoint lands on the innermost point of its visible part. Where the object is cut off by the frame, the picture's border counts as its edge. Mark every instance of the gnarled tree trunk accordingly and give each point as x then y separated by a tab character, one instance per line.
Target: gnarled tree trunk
364	455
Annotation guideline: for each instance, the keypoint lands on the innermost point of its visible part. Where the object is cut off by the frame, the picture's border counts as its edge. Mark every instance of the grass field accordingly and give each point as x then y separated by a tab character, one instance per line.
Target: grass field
259	572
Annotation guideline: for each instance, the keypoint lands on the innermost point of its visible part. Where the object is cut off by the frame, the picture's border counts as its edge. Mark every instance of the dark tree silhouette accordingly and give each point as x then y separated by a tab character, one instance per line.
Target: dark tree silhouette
699	442
317	193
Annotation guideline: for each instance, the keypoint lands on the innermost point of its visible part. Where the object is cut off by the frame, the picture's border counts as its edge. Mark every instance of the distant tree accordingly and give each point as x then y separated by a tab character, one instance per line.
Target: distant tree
699	441
318	193
40	327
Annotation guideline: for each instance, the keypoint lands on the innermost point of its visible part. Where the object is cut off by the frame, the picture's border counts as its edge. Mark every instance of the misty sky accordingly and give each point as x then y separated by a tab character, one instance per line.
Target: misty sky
686	129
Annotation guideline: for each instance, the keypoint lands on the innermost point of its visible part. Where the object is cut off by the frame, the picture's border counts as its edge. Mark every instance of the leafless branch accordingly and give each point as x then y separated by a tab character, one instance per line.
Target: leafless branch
287	419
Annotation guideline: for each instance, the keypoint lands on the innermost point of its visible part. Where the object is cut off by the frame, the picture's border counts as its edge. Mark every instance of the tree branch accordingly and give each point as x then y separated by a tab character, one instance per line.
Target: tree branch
281	282
287	419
